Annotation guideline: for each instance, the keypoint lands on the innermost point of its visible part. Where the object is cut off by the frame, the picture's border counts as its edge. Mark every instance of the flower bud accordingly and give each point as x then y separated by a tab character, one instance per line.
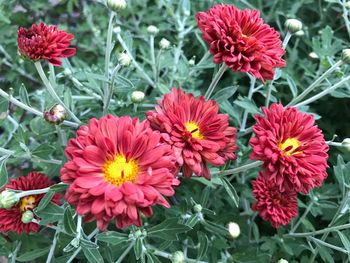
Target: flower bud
124	59
8	199
347	5
197	208
67	72
282	260
153	30
164	43
293	25
346	144
116	5
233	229
56	114
313	56
178	257
27	217
137	96
191	62
117	30
345	56
299	33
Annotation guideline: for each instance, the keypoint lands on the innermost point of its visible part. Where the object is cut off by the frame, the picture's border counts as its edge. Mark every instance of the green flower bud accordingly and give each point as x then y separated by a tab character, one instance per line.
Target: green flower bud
299	33
116	5
282	260
137	96
347	5
178	257
27	217
313	56
8	199
346	144
234	230
124	59
197	208
293	25
164	43
345	56
153	30
117	30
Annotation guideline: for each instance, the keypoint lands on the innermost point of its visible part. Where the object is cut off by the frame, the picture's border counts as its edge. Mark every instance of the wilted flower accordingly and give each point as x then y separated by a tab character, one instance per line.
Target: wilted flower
42	42
198	134
241	40
118	169
278	207
291	146
11	219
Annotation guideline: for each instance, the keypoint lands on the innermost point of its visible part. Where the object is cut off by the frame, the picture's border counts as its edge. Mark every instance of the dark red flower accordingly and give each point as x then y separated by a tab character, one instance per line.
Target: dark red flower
196	131
291	146
10	219
42	42
118	169
241	40
273	205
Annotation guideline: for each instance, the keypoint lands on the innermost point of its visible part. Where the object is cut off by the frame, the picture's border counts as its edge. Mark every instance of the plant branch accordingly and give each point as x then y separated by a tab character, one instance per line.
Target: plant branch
215	80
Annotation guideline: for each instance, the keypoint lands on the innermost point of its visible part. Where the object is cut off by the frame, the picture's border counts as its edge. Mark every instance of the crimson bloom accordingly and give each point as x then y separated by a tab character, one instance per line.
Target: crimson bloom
241	40
274	205
196	131
10	219
42	42
291	146
118	169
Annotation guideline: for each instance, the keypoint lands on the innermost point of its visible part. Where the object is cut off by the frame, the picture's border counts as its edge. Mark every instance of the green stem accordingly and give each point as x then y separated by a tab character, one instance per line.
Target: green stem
239	169
14	254
52	92
153	58
318	232
33	192
168	255
315	84
307	210
215	80
323	93
110	87
250	95
4	151
53	246
316	240
286	40
125	253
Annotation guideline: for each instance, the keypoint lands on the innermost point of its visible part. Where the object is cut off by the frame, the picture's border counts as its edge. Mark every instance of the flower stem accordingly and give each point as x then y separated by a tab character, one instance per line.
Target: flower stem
286	40
125	253
215	80
110	87
250	95
323	93
134	62
33	192
239	169
318	232
153	58
52	92
315	84
14	254
53	246
107	87
307	210
79	227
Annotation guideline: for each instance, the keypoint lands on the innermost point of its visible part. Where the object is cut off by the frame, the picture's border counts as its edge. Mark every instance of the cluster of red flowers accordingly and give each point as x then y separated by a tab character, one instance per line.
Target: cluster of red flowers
294	155
119	167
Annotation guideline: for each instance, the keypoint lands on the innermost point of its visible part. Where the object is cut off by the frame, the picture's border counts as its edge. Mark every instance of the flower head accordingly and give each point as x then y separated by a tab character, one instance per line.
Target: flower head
196	131
241	40
42	42
118	169
11	219
274	205
291	146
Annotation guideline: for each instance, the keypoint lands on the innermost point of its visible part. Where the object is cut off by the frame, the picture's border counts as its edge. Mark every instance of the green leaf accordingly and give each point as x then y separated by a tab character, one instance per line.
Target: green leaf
68	221
152	258
31	255
51	213
87	244
215	228
203	245
112	237
43	150
45	200
168	229
224	94
23	95
292	86
230	190
92	255
344	240
59	187
138	248
3	171
247	105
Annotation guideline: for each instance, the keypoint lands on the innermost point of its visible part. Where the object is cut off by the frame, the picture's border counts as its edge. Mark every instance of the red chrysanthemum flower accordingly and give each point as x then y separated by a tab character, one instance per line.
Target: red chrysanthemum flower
241	40
42	42
291	146
118	169
10	219
273	205
196	131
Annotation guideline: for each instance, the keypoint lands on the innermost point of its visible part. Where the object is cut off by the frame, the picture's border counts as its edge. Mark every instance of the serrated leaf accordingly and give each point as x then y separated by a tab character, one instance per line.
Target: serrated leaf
230	190
45	200
92	255
112	237
68	221
31	255
168	229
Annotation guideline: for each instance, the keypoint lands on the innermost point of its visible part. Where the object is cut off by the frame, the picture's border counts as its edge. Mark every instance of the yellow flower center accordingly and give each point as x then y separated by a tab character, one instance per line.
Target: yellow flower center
26	203
193	128
120	170
244	35
289	146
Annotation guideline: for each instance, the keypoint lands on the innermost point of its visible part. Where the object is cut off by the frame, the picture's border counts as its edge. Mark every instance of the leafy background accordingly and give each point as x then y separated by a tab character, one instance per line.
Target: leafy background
203	235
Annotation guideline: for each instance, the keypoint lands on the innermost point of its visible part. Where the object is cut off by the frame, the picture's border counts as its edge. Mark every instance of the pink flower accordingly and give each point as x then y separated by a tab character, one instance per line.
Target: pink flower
118	169
197	133
241	40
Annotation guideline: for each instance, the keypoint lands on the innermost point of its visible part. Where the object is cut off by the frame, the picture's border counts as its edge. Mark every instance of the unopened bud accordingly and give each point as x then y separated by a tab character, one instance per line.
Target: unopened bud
153	30
293	25
117	30
164	43
191	62
138	233
116	5
137	96
345	56
346	144
178	257
56	114
233	229
347	5
124	59
27	217
313	56
67	72
299	33
282	260
197	208
8	199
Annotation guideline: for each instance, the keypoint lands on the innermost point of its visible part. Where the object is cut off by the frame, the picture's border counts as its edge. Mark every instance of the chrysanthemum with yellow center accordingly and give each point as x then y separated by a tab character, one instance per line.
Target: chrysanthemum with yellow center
120	170
27	203
289	146
193	128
